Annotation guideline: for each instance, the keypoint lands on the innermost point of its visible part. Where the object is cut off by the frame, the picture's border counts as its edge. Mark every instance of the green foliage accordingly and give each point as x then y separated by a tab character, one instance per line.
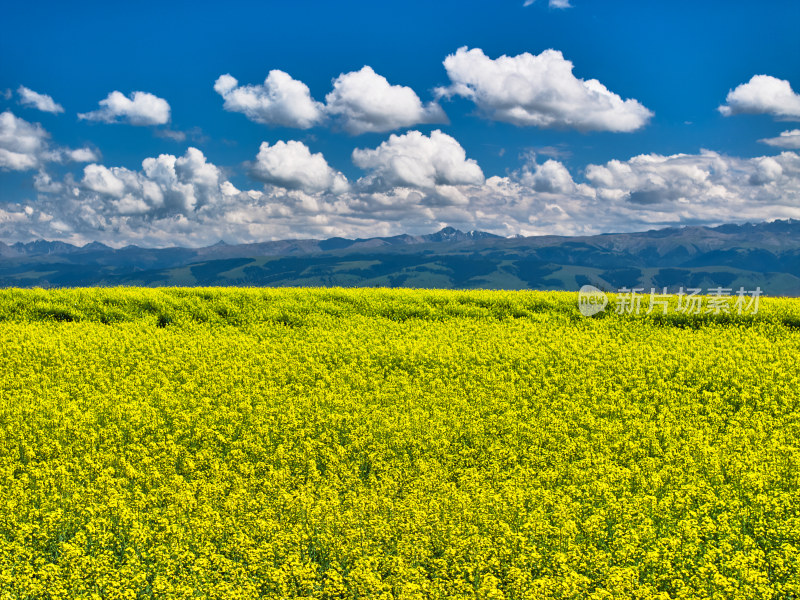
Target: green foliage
334	443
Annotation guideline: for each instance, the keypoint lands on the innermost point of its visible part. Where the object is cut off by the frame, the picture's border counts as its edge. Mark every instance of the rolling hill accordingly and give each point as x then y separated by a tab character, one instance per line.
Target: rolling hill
763	254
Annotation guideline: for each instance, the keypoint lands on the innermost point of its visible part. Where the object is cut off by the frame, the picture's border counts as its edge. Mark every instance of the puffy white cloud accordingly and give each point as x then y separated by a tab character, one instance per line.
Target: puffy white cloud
767	170
541	91
141	108
184	183
291	165
653	179
787	139
644	192
280	100
166	186
25	145
416	160
97	178
194	167
225	84
82	155
20	142
706	188
42	182
185	200
43	102
360	102
414	183
171	200
551	176
763	94
434	168
62	155
367	102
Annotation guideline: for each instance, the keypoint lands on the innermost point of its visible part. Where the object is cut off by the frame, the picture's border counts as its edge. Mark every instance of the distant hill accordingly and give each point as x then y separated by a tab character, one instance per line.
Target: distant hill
763	254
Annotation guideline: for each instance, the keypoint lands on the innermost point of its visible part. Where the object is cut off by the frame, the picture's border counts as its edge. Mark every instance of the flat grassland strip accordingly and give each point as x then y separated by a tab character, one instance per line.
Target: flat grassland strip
337	443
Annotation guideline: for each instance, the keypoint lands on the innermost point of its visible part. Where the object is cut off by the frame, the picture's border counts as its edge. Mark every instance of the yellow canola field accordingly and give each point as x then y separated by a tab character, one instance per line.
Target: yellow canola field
333	443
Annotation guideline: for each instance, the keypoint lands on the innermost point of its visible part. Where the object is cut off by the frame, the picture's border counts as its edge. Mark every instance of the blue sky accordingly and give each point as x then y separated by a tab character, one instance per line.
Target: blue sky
521	145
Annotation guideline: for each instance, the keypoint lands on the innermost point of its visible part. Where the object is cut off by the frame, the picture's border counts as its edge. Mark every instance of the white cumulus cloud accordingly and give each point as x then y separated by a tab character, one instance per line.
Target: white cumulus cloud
763	94
539	90
166	185
787	139
21	142
280	100
25	146
413	183
291	165
43	102
653	179
102	180
705	188
551	176
80	155
417	160
367	102
141	108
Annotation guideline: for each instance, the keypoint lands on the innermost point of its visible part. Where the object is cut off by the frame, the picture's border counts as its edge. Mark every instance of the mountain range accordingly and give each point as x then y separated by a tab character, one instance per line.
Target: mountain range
765	255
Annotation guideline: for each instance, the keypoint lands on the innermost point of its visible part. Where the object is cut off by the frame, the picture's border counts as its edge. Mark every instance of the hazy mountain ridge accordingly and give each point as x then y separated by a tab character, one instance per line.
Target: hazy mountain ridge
764	254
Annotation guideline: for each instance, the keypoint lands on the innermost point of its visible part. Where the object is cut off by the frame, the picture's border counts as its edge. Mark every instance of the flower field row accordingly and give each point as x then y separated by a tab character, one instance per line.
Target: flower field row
334	443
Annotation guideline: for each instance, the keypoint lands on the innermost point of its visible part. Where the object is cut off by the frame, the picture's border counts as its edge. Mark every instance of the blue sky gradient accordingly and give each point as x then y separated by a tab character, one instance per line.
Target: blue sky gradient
678	59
